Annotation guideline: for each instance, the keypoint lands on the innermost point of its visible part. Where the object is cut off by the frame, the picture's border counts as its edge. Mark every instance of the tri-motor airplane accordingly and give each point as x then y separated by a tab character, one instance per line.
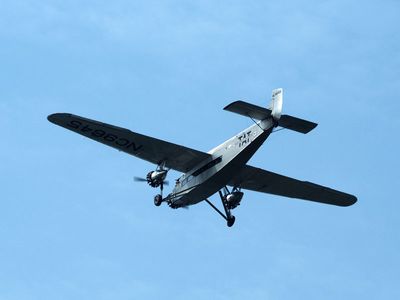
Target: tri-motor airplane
223	169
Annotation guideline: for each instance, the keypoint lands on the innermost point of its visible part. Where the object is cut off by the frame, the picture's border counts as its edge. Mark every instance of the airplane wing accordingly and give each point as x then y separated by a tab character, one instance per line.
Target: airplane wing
259	180
156	151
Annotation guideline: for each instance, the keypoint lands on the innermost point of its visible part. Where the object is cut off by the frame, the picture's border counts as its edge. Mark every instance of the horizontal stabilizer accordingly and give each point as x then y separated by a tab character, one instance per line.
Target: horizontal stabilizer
296	124
248	110
261	113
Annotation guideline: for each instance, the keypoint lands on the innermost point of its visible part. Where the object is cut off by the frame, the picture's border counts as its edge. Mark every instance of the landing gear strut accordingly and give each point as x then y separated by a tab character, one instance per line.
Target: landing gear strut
230	219
159	181
158	199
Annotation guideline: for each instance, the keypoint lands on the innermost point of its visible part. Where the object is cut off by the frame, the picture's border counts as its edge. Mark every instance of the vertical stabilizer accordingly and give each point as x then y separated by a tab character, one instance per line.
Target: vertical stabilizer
276	103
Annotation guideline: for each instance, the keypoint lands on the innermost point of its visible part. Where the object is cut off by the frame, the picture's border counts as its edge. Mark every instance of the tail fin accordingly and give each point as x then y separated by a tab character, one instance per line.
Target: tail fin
276	103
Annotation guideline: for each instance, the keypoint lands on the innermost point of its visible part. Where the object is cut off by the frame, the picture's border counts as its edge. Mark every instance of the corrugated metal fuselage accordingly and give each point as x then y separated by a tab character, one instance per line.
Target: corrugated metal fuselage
227	159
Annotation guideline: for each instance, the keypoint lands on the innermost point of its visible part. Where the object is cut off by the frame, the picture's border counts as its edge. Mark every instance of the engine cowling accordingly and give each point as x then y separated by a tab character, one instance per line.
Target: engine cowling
155	178
233	199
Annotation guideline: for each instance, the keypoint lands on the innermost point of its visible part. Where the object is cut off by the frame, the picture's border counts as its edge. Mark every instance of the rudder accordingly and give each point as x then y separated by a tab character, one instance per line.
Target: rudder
276	103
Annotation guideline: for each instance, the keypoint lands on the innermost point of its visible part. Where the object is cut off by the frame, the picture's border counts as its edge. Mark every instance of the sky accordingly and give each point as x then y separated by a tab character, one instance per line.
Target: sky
74	225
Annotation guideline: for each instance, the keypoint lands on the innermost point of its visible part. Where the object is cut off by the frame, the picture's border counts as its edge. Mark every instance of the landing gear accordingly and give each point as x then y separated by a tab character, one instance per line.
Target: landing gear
158	200
229	200
159	181
230	221
156	179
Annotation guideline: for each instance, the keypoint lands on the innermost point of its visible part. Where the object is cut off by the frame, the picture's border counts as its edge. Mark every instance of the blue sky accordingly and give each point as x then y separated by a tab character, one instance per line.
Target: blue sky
73	225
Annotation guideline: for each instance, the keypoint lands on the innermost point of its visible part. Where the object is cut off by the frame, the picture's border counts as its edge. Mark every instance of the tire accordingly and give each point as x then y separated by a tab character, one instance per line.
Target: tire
230	221
157	200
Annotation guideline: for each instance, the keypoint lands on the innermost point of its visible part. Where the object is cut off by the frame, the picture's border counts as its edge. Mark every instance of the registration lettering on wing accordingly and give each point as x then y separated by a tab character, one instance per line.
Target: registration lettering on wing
101	134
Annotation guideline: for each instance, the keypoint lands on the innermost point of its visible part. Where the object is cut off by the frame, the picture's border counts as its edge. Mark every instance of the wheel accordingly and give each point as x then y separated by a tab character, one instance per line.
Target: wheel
230	221
157	200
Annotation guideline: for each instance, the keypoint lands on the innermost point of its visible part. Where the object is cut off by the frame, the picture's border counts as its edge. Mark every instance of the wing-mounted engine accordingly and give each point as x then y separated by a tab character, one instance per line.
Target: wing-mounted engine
156	178
230	200
233	199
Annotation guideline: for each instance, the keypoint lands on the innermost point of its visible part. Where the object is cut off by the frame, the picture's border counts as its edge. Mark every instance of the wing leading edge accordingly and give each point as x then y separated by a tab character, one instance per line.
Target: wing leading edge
156	151
260	180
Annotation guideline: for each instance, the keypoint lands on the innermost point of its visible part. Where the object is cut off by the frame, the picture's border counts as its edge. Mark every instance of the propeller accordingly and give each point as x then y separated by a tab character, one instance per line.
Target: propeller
155	178
139	179
142	179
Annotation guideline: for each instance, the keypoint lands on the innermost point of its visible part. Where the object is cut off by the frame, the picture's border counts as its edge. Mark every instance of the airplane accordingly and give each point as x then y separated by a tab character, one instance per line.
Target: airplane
223	170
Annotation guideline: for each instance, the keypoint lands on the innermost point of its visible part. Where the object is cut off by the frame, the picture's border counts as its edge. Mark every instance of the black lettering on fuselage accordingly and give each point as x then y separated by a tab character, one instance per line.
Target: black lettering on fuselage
244	138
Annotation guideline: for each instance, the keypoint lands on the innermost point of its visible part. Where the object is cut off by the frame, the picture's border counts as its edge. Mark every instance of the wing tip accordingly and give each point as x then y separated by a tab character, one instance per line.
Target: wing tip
314	125
231	104
53	118
351	200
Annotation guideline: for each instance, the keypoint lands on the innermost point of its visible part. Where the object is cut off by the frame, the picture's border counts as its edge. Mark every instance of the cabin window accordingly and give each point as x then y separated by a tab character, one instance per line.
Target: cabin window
207	166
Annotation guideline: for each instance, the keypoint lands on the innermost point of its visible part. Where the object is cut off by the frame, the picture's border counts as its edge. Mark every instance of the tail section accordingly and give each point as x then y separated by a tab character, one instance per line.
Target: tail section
296	124
274	110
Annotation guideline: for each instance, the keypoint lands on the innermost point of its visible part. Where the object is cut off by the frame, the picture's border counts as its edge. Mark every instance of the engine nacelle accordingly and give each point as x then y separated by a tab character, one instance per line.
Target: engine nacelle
233	199
155	178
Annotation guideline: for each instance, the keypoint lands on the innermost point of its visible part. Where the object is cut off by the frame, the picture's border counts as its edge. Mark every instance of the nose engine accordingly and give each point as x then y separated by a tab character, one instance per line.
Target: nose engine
233	199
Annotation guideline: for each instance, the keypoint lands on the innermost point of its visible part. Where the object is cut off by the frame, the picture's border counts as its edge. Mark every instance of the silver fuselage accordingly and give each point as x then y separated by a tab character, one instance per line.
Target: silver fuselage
211	175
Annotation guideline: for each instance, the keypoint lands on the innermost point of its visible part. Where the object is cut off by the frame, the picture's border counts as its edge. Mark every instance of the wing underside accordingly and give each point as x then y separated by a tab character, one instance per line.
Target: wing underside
156	151
259	180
